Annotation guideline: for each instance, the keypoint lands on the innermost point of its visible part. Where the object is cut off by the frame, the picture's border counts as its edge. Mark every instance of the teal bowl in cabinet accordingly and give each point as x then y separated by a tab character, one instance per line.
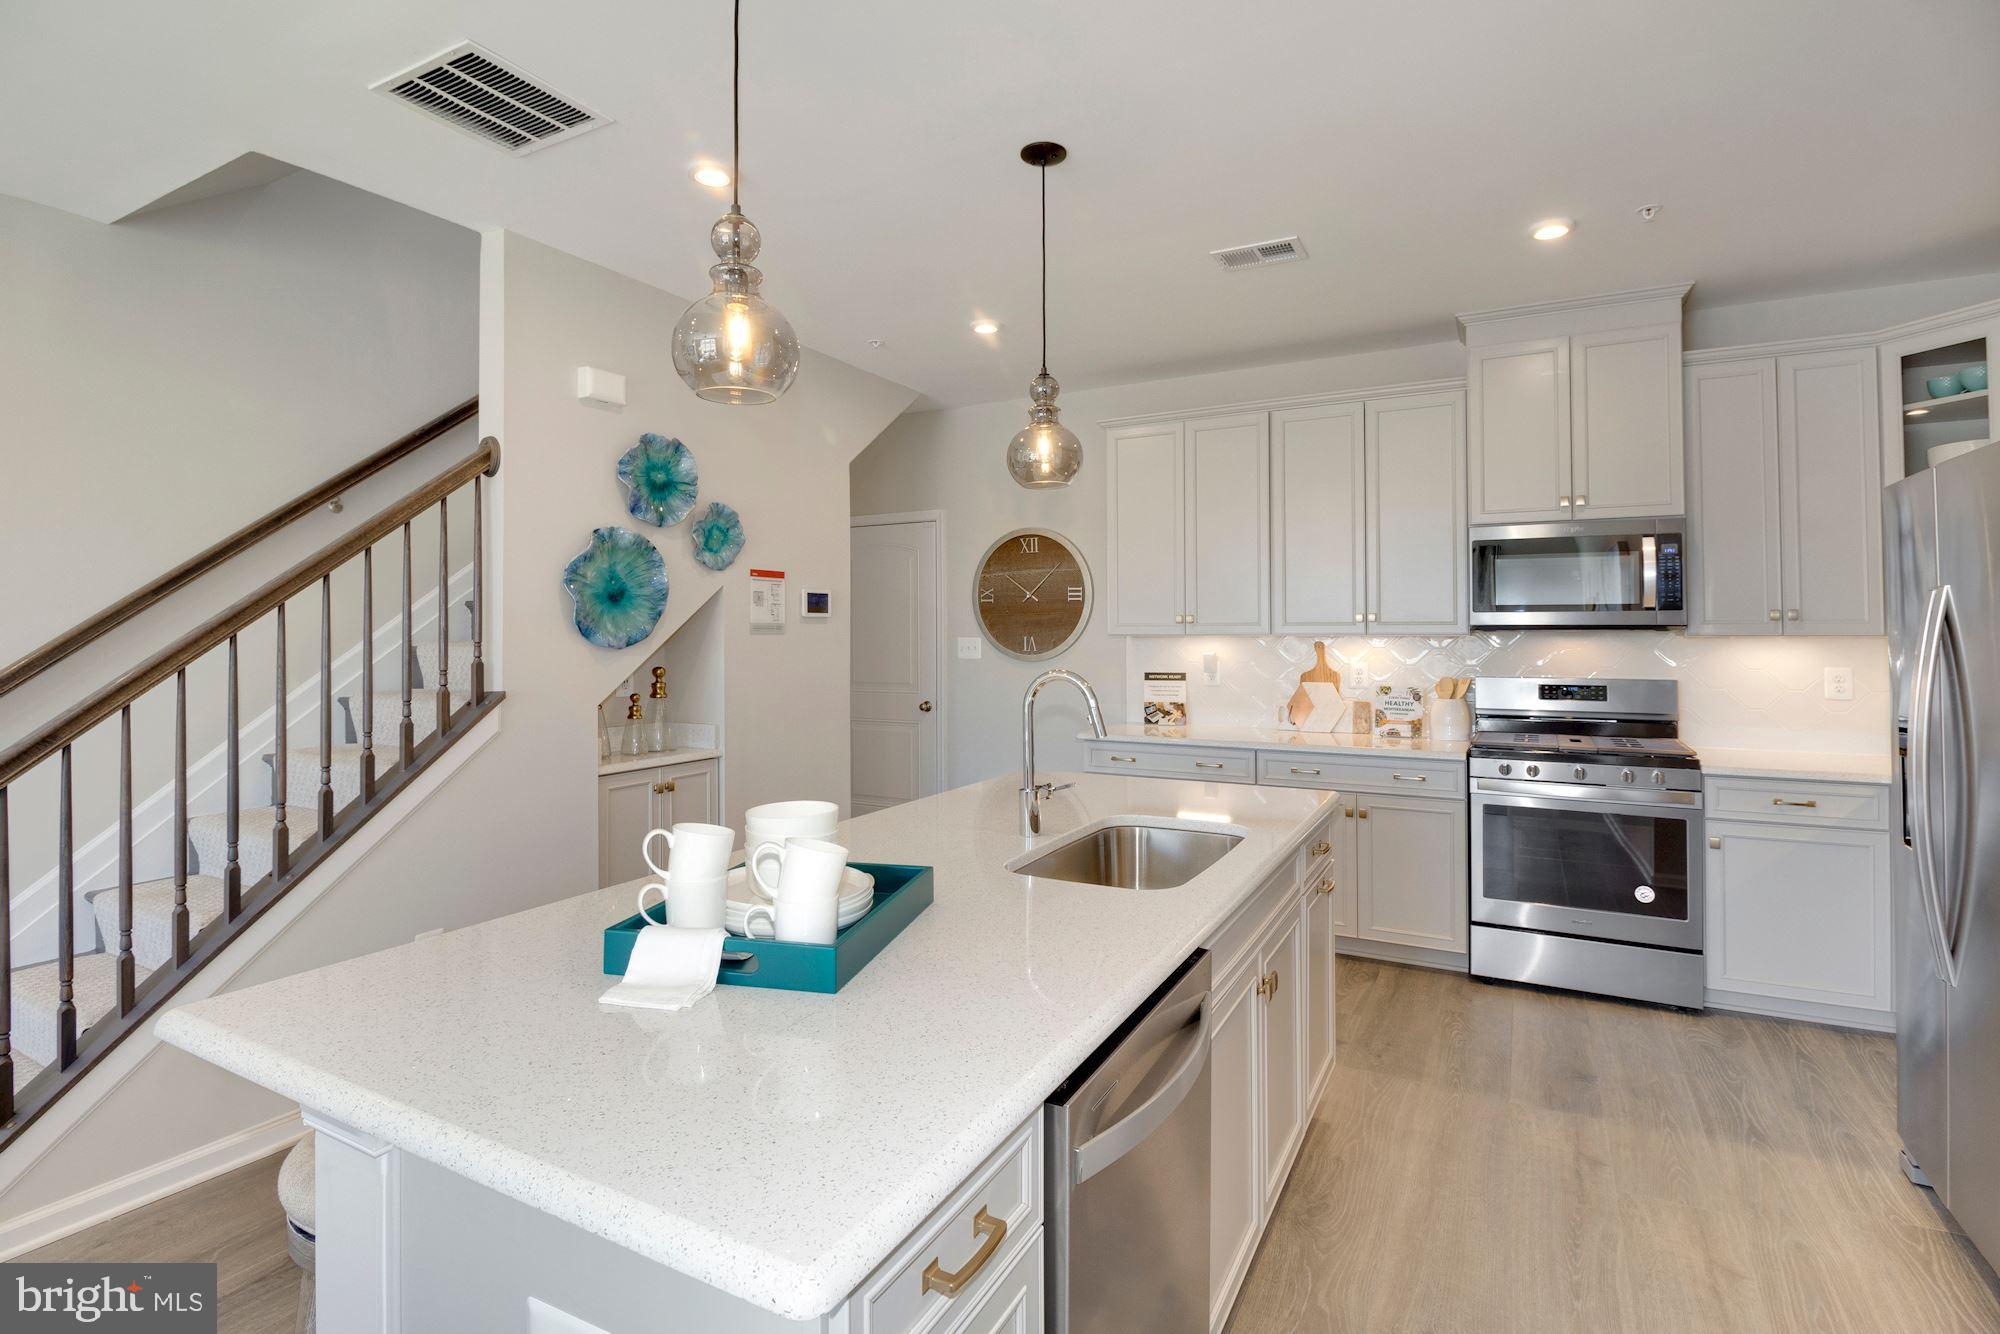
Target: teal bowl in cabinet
1973	378
1944	386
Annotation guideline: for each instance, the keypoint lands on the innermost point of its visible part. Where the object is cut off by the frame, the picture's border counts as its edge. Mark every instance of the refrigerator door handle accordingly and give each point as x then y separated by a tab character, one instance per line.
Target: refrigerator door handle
1950	934
1923	698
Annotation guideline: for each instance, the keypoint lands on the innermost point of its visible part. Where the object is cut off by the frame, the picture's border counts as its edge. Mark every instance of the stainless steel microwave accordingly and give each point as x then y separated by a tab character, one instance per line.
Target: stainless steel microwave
1601	572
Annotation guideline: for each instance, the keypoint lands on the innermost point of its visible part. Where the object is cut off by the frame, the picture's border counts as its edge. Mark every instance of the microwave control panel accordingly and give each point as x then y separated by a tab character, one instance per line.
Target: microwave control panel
1668	591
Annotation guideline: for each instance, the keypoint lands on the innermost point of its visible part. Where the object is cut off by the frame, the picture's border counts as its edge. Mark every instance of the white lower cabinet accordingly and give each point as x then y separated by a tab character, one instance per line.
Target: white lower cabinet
1798	914
1015	1305
1413	872
632	804
1271	1052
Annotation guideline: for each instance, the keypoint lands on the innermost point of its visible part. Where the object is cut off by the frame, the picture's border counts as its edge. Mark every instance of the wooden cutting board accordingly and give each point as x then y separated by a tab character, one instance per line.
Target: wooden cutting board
1321	672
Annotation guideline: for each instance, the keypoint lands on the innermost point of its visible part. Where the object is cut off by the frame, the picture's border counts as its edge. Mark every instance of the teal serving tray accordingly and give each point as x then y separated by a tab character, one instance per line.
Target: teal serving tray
901	892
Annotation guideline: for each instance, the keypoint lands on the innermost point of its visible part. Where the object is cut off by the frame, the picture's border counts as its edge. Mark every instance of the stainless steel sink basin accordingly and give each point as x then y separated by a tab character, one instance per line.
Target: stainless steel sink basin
1133	856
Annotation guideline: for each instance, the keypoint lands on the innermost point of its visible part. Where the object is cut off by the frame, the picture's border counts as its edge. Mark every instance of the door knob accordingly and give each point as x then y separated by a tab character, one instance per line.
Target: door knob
1776	615
1792	614
924	707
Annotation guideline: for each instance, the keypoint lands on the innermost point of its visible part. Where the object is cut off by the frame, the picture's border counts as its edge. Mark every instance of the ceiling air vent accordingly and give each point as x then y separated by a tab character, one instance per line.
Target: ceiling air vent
1281	251
477	93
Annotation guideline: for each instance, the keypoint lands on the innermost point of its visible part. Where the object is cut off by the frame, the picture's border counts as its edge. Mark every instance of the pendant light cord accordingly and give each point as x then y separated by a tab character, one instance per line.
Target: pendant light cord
736	112
1045	267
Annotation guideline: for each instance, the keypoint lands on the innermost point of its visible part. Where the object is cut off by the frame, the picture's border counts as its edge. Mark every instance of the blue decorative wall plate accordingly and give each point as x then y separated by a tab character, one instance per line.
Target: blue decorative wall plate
660	480
717	536
619	586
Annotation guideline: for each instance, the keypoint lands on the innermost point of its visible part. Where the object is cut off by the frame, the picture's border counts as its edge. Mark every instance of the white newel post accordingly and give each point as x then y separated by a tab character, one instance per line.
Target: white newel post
359	1288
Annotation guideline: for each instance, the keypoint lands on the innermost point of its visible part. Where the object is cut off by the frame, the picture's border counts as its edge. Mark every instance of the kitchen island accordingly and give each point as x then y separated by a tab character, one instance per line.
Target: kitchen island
490	1133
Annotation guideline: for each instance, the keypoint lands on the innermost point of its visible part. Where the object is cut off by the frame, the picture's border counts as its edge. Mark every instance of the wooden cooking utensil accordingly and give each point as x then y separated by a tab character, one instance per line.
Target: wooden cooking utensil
1320	673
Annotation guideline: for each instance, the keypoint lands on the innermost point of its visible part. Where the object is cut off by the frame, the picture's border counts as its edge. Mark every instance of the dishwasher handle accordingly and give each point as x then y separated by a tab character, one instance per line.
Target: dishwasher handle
1122	1136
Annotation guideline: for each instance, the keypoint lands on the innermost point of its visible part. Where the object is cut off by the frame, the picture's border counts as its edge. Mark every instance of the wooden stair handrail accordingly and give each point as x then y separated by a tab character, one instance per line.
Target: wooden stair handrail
485	461
77	636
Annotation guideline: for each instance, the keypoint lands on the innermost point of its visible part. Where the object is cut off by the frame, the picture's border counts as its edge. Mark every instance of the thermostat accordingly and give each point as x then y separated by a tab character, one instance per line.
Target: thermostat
813	603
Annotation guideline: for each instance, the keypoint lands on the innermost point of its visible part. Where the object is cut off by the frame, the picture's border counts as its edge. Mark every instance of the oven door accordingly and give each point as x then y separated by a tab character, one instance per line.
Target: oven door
1587	861
1576	574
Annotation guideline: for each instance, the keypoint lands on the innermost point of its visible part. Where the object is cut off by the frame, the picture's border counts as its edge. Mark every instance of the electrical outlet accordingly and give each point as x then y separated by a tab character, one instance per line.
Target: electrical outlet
1211	668
968	646
1840	683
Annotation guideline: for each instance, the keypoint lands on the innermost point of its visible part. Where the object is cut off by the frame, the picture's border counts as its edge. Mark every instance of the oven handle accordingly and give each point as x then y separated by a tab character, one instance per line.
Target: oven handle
1649	573
1571	796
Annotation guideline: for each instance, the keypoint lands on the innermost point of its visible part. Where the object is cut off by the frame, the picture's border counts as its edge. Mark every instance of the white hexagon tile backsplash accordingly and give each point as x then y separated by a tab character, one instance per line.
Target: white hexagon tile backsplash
1749	693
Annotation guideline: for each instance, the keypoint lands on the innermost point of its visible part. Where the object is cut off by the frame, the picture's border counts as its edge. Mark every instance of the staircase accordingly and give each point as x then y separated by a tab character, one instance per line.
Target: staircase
61	1016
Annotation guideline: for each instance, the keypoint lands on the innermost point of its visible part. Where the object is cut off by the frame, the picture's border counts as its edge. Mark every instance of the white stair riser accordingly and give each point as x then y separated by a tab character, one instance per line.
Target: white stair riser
153	916
32	1027
302	774
389	718
460	660
208	837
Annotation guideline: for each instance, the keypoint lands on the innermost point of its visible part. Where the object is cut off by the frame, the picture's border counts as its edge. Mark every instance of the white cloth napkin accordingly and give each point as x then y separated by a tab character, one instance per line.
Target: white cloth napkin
671	968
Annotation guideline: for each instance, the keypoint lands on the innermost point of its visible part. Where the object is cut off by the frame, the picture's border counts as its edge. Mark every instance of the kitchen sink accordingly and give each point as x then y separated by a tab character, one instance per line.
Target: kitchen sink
1132	856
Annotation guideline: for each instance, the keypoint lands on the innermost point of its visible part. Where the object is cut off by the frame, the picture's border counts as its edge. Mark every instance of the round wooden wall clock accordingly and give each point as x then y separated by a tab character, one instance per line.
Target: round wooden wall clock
1033	594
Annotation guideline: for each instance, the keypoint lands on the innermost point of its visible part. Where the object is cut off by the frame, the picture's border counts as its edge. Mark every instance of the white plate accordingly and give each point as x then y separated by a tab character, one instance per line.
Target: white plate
846	919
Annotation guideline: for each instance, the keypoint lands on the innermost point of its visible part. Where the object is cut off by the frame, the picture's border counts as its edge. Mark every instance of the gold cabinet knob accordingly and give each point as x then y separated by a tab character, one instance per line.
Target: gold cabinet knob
1326	885
1361	815
1321	848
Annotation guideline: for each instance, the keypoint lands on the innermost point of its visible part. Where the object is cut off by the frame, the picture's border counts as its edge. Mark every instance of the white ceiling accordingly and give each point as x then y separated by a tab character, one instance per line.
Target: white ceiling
1796	145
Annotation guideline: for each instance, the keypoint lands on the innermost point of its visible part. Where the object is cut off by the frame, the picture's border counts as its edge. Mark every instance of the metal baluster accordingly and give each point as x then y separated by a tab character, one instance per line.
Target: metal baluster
325	704
368	673
407	738
180	817
478	592
232	871
443	619
65	920
128	979
281	834
6	973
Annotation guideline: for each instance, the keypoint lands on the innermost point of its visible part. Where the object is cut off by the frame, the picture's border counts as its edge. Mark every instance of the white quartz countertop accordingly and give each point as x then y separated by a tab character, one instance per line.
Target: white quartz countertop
658	759
776	1145
1279	738
1818	765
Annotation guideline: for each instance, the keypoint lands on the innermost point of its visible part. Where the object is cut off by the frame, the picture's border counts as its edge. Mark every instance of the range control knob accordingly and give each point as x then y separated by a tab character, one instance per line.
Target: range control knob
1625	775
1659	778
1534	771
1579	773
1505	768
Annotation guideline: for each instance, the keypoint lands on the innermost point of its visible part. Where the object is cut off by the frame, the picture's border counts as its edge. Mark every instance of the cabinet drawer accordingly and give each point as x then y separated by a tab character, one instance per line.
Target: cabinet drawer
1014	1305
1281	769
1315	859
1215	765
1232	943
1787	801
1007	1190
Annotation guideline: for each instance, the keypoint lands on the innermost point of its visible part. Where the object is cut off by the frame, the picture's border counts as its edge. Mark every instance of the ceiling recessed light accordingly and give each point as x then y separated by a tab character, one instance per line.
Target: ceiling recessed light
710	175
1552	229
986	326
1918	412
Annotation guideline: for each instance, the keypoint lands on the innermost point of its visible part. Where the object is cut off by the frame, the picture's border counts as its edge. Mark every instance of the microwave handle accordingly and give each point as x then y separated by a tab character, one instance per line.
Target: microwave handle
1649	573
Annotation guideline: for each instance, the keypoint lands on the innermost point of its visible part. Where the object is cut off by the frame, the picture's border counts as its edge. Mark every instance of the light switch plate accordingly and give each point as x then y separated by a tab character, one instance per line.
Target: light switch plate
968	646
1840	683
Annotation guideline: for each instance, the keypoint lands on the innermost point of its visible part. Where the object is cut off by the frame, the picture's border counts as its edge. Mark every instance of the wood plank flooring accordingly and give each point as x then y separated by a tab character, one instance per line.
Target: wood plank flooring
1494	1158
1485	1159
234	1221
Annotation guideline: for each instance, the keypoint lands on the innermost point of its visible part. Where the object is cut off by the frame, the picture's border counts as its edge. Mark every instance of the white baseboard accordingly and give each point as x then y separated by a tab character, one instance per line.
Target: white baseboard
52	1222
1812	1012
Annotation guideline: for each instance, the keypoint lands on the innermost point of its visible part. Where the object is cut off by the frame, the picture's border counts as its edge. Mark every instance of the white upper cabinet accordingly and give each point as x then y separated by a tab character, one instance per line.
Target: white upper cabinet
1830	466
1575	409
1518	396
1417	553
1145	574
1318	518
1785	530
1733	528
1625	423
1227	550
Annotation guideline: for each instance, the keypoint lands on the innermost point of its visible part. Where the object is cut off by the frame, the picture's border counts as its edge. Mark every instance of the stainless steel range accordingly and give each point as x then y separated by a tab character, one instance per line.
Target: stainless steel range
1586	839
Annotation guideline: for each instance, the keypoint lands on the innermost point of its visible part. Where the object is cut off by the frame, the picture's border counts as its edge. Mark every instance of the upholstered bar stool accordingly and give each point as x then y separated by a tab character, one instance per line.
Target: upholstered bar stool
295	1194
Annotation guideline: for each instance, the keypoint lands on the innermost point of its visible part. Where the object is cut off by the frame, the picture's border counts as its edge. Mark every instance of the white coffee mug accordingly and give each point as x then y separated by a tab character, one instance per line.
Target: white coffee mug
805	866
697	850
778	820
696	901
807	918
666	913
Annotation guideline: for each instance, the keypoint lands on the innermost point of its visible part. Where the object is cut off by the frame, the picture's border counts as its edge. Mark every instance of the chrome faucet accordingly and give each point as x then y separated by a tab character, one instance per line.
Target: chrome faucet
1031	791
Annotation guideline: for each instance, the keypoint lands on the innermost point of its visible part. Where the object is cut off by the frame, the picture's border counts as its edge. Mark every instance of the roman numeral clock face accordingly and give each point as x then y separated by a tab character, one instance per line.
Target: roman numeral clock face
1033	594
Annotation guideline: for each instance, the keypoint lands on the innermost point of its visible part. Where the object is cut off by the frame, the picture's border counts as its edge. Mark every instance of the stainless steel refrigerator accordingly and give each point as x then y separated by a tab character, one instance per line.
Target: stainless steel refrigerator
1943	572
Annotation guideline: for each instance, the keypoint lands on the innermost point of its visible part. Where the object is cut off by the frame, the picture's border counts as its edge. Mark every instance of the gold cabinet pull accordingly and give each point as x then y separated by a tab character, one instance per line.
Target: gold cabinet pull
1264	986
670	786
1305	773
1321	848
1361	815
1274	984
949	1282
1208	764
1715	840
658	788
1410	778
1326	885
1122	759
1780	801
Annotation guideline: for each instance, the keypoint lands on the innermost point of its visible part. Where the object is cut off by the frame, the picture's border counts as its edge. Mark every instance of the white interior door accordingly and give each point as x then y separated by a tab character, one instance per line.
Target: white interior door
896	718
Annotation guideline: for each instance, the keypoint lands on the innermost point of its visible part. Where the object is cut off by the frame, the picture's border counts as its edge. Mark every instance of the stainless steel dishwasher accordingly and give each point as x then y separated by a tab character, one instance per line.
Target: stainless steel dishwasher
1128	1173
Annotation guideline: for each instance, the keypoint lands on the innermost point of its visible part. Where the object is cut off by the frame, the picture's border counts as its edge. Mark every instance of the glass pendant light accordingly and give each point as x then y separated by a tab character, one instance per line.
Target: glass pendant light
732	346
1045	452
